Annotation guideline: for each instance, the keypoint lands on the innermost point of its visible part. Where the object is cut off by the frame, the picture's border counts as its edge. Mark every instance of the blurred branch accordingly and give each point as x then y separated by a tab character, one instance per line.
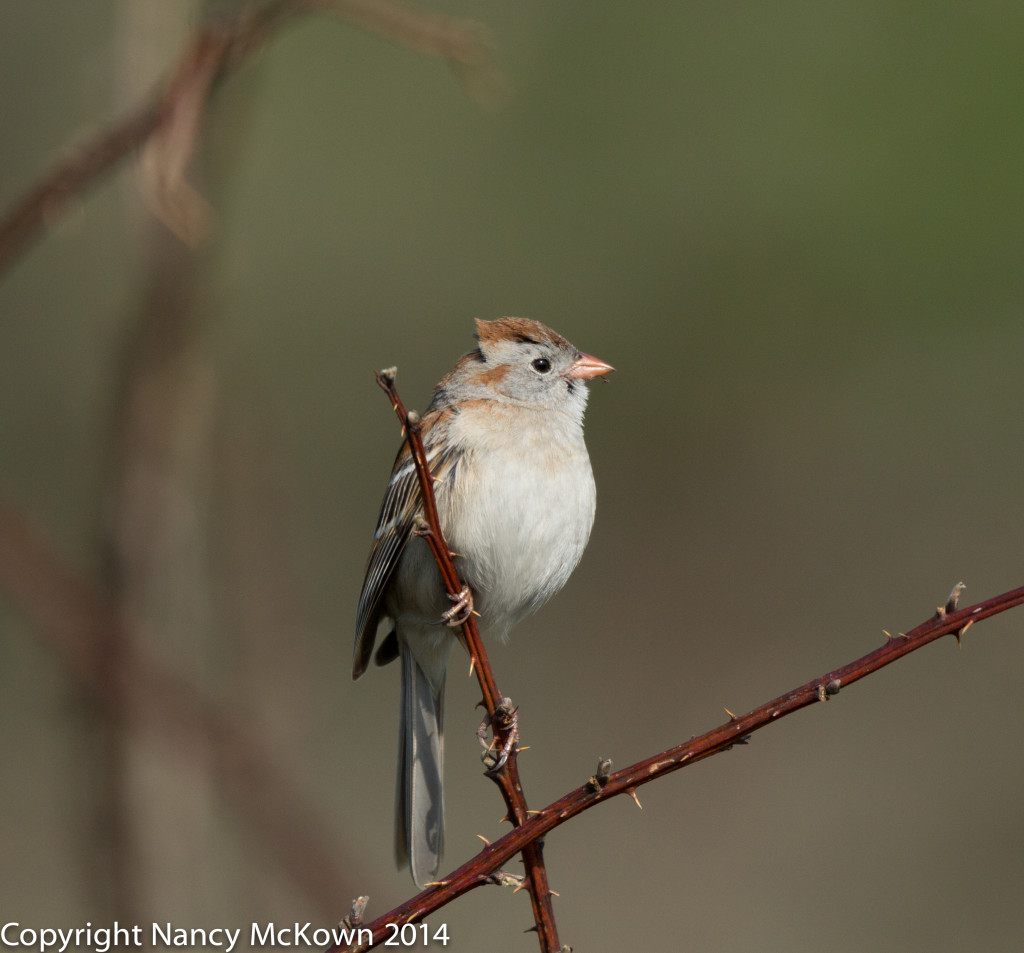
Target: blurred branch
167	125
74	618
466	45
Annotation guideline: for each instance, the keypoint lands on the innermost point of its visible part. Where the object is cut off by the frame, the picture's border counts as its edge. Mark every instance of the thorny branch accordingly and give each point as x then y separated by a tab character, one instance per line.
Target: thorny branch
484	868
505	772
166	126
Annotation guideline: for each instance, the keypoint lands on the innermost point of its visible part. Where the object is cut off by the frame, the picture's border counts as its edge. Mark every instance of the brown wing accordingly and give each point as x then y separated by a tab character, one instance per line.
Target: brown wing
394	527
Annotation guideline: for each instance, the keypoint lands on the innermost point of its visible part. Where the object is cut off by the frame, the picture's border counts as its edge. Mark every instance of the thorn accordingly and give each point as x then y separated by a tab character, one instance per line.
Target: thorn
632	793
903	635
503	820
519	887
523	748
532	812
553	893
888	635
959	632
472	667
484	839
732	717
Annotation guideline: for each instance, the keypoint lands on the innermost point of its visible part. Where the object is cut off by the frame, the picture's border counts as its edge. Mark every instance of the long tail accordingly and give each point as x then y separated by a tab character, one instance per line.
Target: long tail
419	804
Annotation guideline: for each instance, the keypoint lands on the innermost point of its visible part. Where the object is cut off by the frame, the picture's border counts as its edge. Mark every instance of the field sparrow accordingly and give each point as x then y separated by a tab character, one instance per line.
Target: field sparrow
515	495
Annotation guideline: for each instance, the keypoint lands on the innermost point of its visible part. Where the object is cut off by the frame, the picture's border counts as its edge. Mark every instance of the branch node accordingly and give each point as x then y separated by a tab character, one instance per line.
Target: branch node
827	689
505	715
355	915
501	878
600	777
954	597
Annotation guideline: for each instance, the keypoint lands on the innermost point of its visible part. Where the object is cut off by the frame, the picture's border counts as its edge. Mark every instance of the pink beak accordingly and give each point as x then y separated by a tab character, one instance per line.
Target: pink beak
587	366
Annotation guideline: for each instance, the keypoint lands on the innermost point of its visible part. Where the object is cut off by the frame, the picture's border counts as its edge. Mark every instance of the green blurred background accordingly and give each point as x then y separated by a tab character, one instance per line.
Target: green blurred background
796	231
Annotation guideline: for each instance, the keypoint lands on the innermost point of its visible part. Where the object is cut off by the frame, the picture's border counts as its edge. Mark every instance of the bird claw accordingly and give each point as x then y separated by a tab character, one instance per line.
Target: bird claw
462	609
494	760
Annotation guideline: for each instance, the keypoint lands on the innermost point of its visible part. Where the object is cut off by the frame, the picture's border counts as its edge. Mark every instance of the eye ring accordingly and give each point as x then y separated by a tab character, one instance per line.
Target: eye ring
541	365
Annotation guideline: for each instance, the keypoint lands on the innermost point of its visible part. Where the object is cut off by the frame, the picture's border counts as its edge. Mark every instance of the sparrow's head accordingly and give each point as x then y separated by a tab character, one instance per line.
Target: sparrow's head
524	361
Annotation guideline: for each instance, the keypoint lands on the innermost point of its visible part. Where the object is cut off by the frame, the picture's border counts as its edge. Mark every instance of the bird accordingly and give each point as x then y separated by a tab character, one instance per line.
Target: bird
515	493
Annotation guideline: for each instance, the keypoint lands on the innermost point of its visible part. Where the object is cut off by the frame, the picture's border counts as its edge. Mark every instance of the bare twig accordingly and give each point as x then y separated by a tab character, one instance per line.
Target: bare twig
480	869
176	110
213	49
466	45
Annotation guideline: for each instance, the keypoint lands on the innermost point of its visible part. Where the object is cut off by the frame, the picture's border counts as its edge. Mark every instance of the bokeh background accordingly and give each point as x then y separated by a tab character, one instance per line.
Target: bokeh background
794	228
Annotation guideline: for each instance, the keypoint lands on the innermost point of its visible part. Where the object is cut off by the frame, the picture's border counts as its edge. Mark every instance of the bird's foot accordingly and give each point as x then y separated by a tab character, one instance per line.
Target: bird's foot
460	611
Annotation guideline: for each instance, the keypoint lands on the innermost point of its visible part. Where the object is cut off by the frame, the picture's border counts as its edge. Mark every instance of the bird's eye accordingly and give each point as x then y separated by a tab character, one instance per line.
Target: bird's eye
541	365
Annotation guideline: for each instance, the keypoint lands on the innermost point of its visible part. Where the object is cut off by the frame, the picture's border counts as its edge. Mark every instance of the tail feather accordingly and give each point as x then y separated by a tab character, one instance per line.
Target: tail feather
419	808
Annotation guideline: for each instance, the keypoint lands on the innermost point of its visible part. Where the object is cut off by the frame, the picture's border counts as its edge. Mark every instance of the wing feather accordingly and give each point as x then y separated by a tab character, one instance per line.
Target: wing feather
402	503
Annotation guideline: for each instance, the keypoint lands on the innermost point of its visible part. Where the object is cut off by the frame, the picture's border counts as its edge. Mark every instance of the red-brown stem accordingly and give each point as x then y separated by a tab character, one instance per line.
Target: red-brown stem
478	871
507	778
